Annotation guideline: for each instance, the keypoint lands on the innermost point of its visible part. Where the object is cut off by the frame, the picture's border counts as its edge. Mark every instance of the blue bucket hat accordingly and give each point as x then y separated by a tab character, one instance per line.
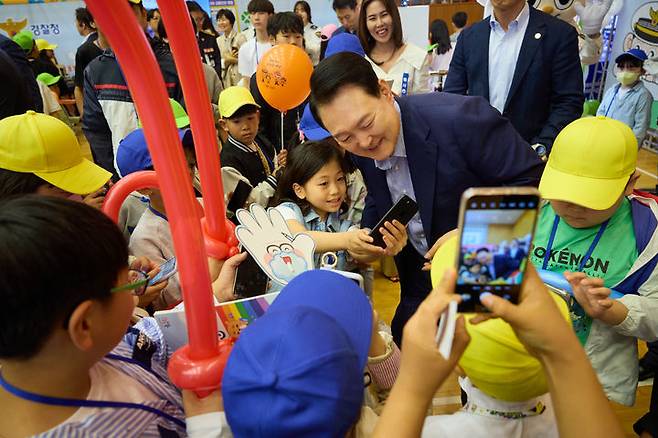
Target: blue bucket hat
133	154
298	369
344	42
310	127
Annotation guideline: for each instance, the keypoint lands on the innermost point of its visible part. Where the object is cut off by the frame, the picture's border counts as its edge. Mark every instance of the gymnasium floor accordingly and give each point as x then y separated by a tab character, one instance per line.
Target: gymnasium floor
446	400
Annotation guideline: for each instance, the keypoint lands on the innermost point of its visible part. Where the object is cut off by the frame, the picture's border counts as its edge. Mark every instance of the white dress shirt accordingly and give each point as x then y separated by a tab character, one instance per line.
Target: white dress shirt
398	180
504	49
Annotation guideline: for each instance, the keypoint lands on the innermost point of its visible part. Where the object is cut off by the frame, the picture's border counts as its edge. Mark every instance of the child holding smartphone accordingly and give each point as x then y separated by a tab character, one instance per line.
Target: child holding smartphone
311	195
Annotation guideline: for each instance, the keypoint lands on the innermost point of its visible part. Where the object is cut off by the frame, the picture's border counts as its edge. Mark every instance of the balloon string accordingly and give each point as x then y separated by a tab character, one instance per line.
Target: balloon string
283	146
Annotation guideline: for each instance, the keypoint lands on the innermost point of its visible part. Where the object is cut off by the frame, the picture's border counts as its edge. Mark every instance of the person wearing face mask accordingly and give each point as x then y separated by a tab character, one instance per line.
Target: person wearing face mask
629	101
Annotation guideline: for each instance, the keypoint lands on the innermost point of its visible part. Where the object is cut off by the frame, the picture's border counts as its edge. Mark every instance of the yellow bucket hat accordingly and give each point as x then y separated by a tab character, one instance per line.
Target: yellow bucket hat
590	164
495	360
47	147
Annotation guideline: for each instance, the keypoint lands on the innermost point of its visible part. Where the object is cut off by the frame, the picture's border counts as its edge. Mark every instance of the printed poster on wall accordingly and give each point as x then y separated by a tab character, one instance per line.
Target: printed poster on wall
53	21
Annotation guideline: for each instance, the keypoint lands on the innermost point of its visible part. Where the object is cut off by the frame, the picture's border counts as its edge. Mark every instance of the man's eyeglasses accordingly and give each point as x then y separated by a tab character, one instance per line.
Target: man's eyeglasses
138	282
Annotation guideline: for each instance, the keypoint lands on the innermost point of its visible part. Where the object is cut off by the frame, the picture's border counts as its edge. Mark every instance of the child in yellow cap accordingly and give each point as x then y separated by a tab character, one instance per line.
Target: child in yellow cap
248	159
506	388
594	227
40	154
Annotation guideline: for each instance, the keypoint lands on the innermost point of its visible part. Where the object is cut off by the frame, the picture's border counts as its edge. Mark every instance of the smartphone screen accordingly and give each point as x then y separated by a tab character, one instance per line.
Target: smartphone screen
497	232
167	269
250	280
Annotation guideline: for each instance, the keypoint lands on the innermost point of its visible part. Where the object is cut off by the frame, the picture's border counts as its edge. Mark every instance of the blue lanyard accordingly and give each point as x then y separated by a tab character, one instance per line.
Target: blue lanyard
612	102
589	252
74	402
157	213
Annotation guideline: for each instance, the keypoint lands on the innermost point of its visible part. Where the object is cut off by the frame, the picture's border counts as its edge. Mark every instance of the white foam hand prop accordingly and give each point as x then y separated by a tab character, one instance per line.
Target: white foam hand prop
591	15
616	7
268	239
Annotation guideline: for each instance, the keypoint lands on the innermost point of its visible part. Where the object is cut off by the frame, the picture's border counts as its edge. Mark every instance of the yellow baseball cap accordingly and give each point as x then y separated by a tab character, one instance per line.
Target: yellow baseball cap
499	365
44	44
47	147
234	98
590	164
495	360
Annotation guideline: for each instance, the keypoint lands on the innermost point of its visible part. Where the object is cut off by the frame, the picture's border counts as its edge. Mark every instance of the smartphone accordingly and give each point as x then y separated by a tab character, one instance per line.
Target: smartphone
167	269
238	200
402	211
496	226
250	280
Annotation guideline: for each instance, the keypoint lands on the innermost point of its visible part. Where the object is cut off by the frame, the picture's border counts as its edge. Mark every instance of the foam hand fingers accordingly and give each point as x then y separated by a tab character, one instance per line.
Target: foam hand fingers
277	221
305	244
248	221
262	218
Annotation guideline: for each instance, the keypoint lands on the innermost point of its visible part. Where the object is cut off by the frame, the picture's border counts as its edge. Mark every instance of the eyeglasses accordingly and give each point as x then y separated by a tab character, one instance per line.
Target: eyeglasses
138	283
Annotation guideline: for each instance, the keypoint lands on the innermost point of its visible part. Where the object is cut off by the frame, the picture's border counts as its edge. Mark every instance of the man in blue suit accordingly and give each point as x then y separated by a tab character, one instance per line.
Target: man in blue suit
430	147
526	64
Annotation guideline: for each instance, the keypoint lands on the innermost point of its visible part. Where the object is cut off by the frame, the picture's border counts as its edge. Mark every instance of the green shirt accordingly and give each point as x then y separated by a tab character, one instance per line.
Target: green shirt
612	258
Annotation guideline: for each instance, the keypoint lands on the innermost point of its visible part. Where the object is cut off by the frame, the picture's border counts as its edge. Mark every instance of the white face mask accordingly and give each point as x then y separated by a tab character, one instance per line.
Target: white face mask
627	77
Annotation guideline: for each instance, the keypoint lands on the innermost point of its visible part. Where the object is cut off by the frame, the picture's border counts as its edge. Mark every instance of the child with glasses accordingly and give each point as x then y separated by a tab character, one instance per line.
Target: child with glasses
71	366
60	319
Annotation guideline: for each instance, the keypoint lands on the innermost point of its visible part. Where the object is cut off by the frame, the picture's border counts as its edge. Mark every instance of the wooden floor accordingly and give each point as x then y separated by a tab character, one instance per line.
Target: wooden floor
386	296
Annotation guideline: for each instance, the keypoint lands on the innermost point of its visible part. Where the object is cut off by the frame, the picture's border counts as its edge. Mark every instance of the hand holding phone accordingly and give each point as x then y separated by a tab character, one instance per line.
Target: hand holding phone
403	210
497	227
250	279
167	269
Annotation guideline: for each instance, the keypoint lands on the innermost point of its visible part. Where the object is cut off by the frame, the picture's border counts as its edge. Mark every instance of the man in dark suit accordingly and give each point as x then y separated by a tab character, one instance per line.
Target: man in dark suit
499	266
430	147
526	64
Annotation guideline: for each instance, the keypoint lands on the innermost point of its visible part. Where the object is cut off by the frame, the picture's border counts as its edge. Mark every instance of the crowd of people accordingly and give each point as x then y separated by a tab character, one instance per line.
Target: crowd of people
81	355
494	264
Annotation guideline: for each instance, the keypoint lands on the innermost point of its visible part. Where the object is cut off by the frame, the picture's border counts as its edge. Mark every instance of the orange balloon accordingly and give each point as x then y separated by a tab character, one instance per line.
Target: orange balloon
284	76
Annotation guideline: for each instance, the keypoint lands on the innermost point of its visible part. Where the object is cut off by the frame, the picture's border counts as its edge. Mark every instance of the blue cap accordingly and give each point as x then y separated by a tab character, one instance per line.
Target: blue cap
344	42
133	154
635	53
298	369
312	129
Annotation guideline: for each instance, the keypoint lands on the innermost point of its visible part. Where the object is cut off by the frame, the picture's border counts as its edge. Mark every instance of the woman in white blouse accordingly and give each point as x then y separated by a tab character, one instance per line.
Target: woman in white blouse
311	31
229	43
405	64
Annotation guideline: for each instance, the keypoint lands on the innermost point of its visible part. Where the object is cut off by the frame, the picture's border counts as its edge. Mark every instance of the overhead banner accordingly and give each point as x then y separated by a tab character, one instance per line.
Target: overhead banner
53	21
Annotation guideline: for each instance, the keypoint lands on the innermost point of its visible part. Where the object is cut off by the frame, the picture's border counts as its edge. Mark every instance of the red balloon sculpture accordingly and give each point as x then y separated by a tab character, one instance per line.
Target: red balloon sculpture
199	365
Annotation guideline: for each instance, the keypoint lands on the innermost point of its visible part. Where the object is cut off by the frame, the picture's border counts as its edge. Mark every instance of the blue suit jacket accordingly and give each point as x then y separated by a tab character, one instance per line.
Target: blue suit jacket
452	143
547	88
